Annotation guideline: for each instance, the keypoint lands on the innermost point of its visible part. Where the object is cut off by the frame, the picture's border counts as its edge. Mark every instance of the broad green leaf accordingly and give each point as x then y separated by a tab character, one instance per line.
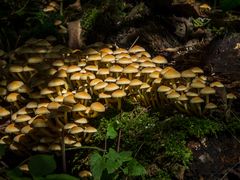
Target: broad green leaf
60	177
135	168
113	164
125	156
41	165
2	149
97	165
111	132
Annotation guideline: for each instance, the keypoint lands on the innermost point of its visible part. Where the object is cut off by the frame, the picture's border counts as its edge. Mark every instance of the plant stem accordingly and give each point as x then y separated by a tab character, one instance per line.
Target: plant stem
119	140
63	153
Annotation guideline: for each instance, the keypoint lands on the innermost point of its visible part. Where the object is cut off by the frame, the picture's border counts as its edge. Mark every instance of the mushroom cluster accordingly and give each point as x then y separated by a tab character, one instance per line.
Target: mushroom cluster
50	94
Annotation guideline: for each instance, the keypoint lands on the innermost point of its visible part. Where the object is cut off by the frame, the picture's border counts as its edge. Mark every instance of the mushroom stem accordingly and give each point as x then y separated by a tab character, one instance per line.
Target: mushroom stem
119	104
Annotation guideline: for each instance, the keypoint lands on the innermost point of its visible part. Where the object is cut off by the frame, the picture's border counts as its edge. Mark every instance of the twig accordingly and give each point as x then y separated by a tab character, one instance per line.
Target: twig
138	150
228	170
23	7
86	147
134	42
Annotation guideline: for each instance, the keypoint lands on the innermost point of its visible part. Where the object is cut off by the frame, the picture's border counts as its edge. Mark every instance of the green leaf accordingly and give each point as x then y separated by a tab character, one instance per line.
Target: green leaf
60	177
97	165
41	165
2	149
125	156
111	132
135	168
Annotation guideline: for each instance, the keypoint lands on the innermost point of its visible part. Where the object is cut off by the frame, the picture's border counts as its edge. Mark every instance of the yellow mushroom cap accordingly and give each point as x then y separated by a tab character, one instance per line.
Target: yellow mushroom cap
231	96
69	126
188	74
130	69
79	107
210	106
191	94
197	85
108	58
106	51
12	97
216	84
111	87
58	63
46	91
124	61
69	99
159	60
119	93
42	110
35	60
24	168
100	85
4	112
92	68
76	130
207	90
182	97
53	105
173	95
84	174
181	88
163	88
116	68
22	118
15	68
103	71
55	147
14	85
11	128
94	57
56	82
197	70
110	80
171	74
196	100
119	51
95	81
90	129
136	49
121	55
123	81
73	68
135	82
26	129
81	121
69	140
83	95
97	106
39	122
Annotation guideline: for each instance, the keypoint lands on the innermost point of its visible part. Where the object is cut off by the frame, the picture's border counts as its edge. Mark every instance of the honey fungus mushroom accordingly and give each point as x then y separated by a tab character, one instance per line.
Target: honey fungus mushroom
57	90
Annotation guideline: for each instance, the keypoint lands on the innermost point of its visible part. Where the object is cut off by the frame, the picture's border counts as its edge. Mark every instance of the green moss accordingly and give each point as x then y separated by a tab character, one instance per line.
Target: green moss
89	18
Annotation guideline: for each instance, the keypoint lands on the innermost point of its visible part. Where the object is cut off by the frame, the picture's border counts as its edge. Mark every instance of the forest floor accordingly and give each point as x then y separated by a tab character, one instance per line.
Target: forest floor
216	157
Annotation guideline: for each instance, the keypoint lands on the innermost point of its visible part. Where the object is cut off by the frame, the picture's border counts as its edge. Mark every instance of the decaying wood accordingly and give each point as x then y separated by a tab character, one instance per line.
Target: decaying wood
74	33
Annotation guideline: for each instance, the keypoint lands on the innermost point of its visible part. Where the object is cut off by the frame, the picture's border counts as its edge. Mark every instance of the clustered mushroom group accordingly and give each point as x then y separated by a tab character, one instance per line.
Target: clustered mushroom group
50	94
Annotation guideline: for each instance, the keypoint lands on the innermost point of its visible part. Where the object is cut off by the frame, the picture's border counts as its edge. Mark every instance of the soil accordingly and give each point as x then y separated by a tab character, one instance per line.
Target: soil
215	158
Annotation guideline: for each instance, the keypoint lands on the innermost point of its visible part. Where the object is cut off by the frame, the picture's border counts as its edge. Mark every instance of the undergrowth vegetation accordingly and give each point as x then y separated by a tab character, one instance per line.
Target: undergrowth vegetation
137	142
